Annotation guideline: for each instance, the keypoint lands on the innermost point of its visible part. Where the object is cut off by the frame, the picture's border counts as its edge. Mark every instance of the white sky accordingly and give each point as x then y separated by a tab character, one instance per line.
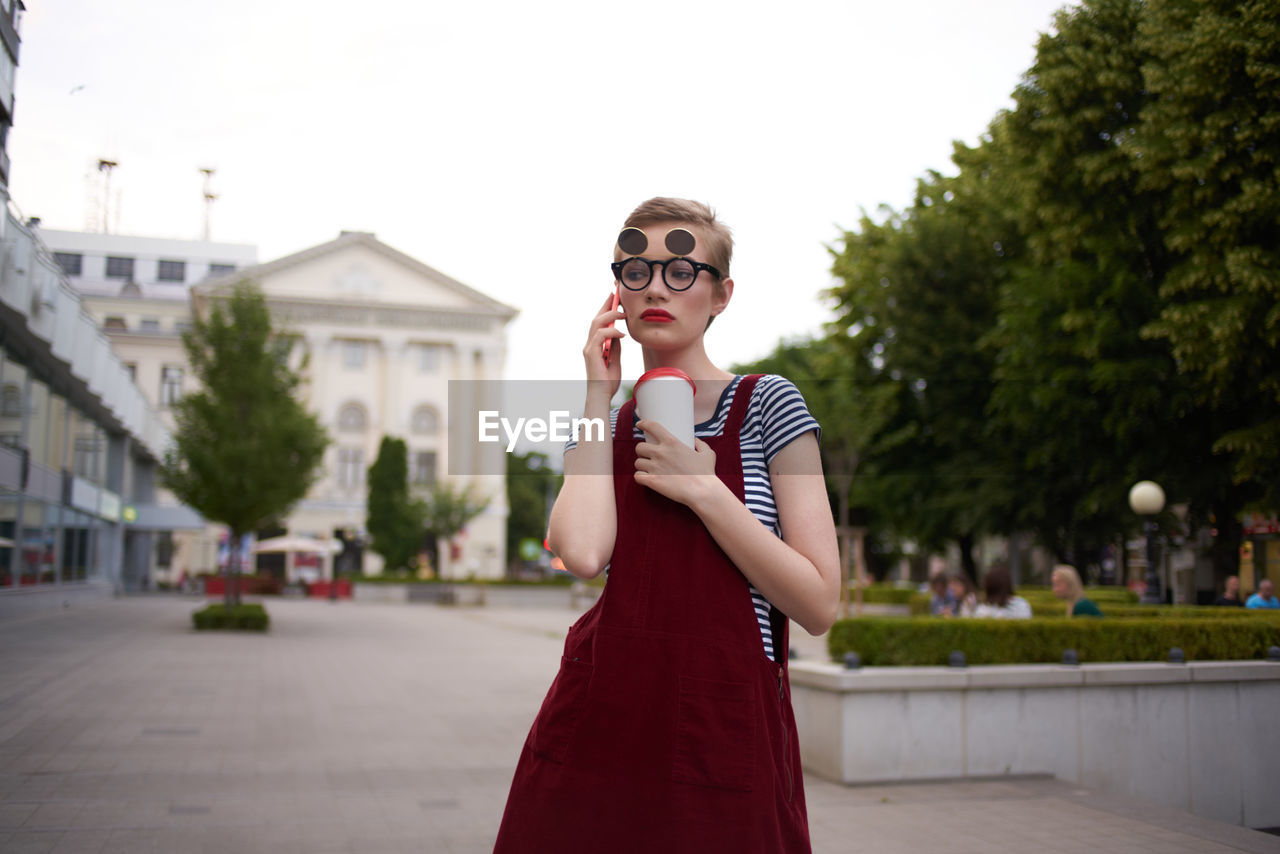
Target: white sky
504	142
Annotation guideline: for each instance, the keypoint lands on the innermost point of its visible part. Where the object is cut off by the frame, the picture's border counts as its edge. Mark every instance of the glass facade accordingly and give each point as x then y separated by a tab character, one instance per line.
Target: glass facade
54	460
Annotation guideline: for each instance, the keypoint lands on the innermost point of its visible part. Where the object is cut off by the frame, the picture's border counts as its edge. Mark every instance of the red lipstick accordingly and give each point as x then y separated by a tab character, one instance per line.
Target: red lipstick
656	315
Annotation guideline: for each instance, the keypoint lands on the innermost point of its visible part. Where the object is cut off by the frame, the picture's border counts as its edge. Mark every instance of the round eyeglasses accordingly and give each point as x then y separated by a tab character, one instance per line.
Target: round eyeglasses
679	274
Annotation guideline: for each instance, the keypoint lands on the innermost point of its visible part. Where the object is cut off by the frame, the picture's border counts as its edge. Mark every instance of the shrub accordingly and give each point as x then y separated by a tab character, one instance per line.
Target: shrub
244	617
906	641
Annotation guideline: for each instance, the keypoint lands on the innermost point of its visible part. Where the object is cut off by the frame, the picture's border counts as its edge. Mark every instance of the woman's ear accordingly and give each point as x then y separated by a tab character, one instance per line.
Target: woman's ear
720	300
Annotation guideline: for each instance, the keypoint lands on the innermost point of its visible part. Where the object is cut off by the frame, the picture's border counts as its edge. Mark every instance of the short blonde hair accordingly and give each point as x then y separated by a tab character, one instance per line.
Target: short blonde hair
1074	586
687	212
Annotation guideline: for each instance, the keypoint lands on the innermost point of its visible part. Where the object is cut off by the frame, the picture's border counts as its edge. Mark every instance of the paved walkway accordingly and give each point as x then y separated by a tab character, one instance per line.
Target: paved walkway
390	728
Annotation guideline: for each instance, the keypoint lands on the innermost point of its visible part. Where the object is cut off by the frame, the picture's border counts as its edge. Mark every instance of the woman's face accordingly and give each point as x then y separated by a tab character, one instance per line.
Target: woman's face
660	318
1060	587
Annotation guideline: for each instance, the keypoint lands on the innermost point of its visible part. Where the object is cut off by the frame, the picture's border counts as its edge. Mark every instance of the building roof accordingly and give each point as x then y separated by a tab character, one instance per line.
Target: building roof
479	302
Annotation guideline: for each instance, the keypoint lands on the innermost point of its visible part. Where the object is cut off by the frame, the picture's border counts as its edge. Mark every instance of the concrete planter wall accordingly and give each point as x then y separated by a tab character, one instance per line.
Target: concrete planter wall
1202	737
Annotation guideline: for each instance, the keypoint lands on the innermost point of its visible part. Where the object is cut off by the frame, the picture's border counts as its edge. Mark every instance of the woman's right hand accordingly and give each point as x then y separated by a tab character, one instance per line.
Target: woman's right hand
609	374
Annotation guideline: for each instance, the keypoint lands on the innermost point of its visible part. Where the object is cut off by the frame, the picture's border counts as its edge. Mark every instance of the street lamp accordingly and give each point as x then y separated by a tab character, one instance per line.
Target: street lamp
1147	499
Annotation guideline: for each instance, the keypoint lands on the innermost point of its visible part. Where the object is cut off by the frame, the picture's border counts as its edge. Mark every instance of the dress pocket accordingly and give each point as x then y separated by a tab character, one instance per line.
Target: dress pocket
562	710
715	734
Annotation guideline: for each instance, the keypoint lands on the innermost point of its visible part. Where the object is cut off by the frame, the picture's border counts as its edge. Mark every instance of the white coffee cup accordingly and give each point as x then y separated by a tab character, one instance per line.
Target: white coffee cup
665	395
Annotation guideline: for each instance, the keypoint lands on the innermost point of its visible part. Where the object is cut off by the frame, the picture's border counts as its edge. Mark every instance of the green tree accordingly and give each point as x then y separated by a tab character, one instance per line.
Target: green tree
245	449
1078	392
917	294
852	405
395	519
1209	145
449	509
531	483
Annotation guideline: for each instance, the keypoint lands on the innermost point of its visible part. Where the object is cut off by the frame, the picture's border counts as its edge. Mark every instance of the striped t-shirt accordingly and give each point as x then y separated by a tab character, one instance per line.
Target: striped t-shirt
775	417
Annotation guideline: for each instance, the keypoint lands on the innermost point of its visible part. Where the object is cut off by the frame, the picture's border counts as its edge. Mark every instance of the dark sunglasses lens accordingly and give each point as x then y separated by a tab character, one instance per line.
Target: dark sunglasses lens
680	274
635	274
632	241
680	241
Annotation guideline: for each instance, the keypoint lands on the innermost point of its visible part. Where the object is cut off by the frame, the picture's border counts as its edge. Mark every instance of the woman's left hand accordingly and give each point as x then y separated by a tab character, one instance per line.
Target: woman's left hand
673	469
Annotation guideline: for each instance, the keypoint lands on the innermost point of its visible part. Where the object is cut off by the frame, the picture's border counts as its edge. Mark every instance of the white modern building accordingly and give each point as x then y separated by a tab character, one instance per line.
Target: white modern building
138	290
78	443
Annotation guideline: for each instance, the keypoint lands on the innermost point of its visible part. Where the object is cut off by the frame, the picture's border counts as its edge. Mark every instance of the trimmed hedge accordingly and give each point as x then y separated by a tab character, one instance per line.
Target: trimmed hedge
886	594
907	641
250	617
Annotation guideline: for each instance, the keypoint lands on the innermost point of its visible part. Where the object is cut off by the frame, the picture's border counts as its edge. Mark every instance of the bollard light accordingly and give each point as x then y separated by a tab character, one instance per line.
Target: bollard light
1069	656
852	661
956	659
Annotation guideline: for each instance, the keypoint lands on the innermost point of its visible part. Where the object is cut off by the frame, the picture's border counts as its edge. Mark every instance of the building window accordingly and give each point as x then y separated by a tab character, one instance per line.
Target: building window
423	472
353	354
86	461
170	385
114	323
132	368
428	358
350	467
221	269
120	268
11	402
351	418
164	549
71	263
173	271
149	324
425	420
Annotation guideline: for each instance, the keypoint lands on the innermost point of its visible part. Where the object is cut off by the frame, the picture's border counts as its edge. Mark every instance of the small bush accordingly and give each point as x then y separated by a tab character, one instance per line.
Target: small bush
910	641
250	617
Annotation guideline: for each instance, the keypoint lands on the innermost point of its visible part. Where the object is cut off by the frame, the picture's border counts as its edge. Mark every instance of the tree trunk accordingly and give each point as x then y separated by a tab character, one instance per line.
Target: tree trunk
965	541
228	598
233	585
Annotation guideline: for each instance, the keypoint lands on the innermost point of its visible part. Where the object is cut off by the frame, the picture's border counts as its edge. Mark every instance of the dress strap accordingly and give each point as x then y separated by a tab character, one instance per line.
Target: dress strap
741	401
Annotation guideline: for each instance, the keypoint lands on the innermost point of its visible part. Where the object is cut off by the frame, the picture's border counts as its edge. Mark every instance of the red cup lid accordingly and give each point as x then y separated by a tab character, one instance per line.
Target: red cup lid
665	372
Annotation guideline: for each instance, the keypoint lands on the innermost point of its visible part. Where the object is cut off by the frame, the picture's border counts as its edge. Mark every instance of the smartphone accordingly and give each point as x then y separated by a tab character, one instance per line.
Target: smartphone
613	306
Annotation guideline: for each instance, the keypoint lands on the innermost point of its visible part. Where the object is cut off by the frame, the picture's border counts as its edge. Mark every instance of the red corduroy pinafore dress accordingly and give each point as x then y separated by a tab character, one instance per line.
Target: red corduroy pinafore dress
667	729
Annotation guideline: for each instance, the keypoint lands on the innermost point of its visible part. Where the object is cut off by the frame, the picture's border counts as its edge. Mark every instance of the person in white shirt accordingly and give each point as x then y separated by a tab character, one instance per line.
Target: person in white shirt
999	600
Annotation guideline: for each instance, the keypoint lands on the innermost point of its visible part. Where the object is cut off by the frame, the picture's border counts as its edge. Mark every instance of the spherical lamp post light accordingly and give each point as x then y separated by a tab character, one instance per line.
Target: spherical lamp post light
1147	500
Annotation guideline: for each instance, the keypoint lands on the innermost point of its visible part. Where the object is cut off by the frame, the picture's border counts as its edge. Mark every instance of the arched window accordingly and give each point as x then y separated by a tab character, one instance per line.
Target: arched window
351	418
425	420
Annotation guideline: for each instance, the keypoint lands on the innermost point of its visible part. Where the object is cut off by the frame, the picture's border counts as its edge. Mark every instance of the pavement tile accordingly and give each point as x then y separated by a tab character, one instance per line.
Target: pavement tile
383	728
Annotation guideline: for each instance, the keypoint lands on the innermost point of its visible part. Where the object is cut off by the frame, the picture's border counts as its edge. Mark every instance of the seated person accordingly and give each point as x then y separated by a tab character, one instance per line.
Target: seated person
1066	585
999	600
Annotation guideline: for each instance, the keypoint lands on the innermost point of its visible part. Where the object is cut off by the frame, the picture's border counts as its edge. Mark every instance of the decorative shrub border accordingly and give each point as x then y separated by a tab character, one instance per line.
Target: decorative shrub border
915	641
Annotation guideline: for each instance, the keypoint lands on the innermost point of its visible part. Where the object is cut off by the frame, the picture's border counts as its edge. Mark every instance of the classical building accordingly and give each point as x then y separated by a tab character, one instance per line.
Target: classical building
381	336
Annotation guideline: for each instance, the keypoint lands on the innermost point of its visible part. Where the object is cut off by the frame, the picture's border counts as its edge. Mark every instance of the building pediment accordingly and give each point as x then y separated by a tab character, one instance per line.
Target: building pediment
357	277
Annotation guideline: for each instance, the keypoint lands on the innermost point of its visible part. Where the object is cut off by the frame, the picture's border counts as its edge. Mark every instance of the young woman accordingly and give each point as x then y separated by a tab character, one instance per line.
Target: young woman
1067	585
669	727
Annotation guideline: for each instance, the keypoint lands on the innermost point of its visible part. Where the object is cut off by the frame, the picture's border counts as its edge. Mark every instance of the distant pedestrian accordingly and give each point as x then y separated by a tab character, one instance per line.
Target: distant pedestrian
941	602
999	600
1230	597
1066	585
1265	597
963	592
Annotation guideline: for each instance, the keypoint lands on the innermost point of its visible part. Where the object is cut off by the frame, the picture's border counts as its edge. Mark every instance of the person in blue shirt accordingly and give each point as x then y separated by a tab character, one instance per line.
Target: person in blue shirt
1264	598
